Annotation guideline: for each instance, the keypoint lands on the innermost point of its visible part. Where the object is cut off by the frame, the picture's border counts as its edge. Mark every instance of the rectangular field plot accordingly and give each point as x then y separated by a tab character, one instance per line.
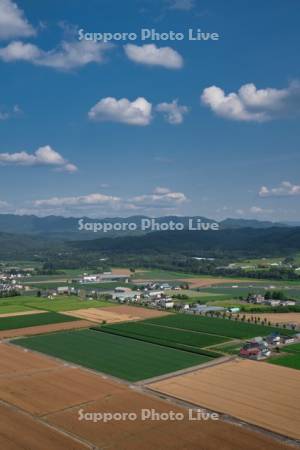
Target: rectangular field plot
164	335
257	393
290	358
221	327
19	431
116	355
31	320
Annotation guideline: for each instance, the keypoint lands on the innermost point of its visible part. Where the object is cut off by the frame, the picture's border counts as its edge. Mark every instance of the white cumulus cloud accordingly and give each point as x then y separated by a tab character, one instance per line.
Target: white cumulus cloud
173	112
285	189
68	55
152	55
137	112
43	156
252	104
181	5
160	198
13	22
83	200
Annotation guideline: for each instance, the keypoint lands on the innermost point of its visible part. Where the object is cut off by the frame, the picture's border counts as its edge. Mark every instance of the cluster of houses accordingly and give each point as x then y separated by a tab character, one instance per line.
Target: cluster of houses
103	278
261	348
258	299
146	296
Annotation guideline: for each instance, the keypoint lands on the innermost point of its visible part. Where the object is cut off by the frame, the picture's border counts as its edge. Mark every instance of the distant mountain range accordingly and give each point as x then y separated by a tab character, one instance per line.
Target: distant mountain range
68	227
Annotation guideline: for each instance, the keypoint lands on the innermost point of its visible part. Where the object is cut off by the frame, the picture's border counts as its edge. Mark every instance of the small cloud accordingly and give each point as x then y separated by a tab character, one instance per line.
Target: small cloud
181	5
69	54
13	22
250	104
285	189
91	199
173	113
43	156
161	197
150	54
258	210
6	114
137	112
4	205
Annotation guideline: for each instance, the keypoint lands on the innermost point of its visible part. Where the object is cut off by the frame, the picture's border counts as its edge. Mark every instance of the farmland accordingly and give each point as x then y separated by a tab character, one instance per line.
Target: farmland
291	358
287	360
36	391
61	303
163	335
32	320
221	327
119	356
244	389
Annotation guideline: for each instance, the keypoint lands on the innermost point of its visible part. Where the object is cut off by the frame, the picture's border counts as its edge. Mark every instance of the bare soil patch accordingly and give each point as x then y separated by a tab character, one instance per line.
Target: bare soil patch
41	329
206	282
281	318
136	311
115	314
121	271
99	314
23	313
256	392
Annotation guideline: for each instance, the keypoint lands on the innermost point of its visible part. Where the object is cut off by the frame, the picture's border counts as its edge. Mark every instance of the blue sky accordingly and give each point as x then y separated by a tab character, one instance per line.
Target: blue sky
150	127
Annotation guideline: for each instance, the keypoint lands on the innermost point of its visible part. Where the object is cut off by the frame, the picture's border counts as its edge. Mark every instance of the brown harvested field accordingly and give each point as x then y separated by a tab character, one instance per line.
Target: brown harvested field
115	314
121	271
255	392
36	391
206	282
16	361
20	431
100	314
281	318
22	313
149	434
194	282
41	329
136	311
45	392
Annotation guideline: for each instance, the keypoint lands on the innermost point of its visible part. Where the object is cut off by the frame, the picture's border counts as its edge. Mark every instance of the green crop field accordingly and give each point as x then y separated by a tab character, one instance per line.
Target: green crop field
60	303
228	348
115	355
292	348
164	334
291	358
32	320
287	360
221	327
